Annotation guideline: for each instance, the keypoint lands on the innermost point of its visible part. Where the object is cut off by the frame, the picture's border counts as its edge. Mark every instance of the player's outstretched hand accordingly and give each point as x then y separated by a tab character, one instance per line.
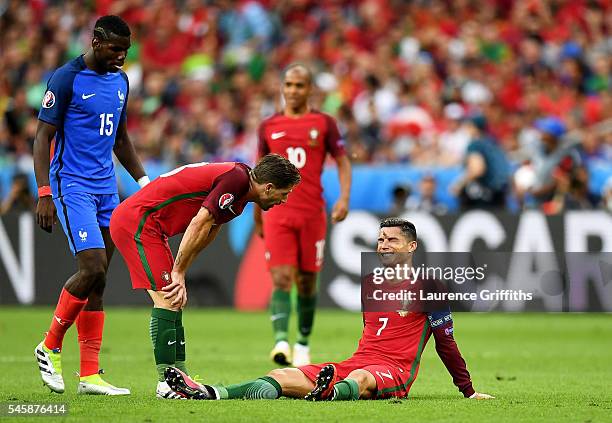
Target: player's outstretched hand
176	290
46	215
339	211
479	396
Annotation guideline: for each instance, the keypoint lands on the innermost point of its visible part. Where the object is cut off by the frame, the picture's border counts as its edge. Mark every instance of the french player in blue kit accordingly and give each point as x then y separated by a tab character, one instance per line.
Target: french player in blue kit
84	109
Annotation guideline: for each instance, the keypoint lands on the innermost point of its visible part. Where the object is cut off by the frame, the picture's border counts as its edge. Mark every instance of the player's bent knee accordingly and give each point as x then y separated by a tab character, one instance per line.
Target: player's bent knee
366	382
160	302
93	276
279	375
293	382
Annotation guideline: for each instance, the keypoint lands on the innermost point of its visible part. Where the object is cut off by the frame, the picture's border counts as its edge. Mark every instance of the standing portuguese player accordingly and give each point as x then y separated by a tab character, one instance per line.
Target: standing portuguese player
84	108
294	234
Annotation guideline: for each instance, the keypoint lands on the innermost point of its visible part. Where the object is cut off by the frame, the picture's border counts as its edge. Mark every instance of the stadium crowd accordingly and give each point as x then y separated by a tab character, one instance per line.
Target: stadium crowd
415	82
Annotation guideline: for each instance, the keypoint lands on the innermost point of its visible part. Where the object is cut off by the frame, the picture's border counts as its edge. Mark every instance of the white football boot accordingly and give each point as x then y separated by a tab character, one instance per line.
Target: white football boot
50	366
281	353
95	385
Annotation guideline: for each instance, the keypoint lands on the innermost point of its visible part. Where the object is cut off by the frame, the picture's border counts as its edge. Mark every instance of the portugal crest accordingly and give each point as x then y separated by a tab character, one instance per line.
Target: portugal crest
313	136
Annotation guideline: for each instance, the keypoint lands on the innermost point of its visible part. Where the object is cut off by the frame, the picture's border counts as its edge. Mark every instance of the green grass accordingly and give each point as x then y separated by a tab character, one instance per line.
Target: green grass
541	367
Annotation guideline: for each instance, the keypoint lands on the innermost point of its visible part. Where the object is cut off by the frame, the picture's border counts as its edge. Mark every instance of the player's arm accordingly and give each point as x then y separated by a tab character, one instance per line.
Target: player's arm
448	351
126	153
46	216
335	146
198	235
340	209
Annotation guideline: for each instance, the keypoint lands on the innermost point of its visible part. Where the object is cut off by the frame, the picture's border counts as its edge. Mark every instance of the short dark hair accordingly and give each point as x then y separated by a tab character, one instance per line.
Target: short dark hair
277	170
110	24
407	228
299	65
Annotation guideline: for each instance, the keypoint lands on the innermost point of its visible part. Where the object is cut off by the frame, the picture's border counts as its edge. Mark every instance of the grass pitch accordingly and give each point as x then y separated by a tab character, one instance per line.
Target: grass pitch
541	367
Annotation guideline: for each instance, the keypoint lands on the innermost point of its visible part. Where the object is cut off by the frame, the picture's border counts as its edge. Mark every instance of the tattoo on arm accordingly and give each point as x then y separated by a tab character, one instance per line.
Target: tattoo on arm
178	258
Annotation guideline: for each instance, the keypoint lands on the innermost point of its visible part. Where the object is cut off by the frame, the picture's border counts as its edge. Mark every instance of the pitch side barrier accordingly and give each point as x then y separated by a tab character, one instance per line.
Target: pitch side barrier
523	262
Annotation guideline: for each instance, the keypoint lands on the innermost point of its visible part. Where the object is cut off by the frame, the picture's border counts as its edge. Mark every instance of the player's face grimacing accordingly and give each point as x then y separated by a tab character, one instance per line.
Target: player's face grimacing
296	88
111	53
273	196
393	246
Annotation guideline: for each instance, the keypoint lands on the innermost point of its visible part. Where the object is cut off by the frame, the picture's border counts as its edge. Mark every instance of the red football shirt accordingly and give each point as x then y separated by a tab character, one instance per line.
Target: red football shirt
169	203
398	338
392	333
305	141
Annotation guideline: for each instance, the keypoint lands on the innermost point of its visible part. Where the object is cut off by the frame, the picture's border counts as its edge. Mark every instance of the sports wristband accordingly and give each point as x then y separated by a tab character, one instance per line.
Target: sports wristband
143	181
44	191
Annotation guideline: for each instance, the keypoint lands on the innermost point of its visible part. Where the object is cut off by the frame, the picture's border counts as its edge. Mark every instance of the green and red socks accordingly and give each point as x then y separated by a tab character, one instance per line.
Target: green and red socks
280	308
345	390
163	336
305	311
180	343
263	388
168	338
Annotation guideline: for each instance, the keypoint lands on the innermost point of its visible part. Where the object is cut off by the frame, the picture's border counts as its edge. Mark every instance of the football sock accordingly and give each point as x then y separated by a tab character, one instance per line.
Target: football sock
67	309
180	343
306	311
346	389
280	307
262	388
163	335
90	325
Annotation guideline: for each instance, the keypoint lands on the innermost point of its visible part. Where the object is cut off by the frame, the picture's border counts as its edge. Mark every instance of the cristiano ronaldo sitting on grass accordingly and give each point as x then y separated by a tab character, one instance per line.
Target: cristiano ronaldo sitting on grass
387	359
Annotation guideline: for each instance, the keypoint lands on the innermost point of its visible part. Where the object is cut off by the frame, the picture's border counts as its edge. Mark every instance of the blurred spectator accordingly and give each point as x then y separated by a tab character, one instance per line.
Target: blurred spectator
399	196
606	195
398	75
485	179
455	137
552	164
425	199
571	191
19	198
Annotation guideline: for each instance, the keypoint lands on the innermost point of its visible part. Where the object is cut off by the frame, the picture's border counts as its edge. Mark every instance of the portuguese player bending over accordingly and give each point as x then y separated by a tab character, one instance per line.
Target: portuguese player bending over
195	199
386	361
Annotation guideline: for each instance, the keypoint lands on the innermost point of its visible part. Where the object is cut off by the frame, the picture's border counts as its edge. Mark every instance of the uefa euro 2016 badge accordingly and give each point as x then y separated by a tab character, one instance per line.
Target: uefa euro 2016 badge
314	135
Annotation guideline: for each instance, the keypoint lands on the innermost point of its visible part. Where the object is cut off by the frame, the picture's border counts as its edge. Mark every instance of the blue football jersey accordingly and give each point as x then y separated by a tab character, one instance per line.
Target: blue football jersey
86	108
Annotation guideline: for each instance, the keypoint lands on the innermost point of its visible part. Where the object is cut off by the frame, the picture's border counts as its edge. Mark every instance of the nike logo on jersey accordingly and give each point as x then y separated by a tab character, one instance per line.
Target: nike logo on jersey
171	342
277	135
182	342
85	97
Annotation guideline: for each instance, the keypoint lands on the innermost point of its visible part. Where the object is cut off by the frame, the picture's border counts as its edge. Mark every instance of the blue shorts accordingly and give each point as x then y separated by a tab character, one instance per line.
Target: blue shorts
82	215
